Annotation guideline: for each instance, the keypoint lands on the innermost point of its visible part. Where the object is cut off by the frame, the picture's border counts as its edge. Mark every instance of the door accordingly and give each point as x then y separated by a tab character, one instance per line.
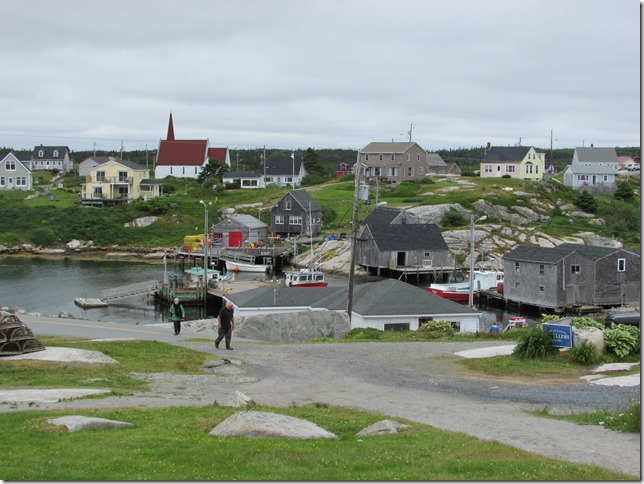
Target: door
401	259
235	239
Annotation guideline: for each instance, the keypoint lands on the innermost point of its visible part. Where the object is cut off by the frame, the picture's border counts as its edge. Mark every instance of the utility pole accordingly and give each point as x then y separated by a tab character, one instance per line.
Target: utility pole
354	236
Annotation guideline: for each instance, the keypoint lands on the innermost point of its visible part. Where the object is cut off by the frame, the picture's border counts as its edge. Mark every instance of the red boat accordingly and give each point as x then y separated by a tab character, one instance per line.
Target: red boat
457	292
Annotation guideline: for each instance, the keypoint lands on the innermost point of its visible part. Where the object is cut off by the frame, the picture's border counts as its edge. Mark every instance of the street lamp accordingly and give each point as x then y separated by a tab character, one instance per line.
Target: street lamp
471	299
205	251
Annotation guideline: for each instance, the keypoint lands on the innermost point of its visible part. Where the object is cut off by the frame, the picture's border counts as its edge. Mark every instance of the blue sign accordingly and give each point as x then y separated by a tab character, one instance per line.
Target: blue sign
562	334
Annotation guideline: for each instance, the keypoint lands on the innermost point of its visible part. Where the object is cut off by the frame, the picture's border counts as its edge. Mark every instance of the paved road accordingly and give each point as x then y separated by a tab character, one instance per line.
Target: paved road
404	380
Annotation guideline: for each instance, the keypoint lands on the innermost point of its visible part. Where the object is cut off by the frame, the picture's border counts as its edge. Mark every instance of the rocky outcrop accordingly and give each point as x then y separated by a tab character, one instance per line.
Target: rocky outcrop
384	427
269	425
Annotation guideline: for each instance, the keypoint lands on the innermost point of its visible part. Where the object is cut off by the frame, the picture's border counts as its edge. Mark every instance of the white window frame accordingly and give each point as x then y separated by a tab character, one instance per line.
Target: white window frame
295	220
621	264
279	219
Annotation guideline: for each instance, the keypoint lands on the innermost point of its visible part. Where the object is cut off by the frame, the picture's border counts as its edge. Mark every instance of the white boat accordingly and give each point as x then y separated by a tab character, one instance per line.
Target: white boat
241	266
306	277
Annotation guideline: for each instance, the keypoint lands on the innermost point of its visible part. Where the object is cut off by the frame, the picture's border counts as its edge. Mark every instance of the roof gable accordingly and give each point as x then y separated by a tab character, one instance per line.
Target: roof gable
389	147
303	199
504	154
596	155
385	215
48	152
182	152
394	237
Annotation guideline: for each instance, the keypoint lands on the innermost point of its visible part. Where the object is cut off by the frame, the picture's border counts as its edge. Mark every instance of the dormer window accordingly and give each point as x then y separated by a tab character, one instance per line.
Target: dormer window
55	153
41	153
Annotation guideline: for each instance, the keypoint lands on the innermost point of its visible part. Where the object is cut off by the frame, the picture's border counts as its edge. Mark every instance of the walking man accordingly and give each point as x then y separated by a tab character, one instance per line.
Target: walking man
225	325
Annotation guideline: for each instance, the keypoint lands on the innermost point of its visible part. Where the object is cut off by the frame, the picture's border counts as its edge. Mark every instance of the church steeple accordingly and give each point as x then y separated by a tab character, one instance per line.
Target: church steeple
170	136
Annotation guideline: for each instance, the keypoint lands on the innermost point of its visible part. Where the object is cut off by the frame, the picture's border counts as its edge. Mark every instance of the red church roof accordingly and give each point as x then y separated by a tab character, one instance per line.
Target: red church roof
218	154
182	152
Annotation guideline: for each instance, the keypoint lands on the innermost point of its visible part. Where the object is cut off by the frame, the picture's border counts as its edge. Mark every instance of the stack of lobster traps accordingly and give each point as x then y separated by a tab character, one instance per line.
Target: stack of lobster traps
15	337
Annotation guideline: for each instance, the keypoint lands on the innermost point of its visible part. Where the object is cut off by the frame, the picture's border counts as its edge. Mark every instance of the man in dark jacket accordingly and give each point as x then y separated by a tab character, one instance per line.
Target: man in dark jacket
225	325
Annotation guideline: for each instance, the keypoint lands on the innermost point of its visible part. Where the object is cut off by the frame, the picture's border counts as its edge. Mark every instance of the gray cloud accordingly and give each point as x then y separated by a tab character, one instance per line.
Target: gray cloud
321	73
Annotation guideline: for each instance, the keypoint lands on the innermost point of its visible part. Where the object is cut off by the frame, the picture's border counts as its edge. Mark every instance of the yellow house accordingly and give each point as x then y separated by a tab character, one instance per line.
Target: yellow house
118	182
521	162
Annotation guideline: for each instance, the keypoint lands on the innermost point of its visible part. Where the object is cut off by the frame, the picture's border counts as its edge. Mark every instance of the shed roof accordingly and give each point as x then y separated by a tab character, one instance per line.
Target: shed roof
383	215
591	170
396	237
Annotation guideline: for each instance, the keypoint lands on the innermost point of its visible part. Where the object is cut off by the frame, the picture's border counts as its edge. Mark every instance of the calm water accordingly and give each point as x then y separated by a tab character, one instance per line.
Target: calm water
50	285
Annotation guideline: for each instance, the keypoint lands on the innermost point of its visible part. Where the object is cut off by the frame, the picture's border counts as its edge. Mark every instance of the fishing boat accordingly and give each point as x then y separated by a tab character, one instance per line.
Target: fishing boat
195	274
244	266
460	291
305	277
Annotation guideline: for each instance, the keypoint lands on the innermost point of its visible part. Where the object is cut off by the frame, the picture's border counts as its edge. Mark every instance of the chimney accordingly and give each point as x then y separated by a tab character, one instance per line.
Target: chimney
488	147
591	145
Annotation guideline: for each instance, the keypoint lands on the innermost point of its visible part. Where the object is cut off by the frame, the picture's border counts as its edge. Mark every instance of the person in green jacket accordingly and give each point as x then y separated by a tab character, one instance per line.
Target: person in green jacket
177	313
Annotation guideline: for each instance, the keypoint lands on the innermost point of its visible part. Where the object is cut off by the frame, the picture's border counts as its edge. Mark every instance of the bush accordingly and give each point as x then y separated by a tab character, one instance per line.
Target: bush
547	318
585	354
622	339
364	333
586	322
437	329
535	343
453	218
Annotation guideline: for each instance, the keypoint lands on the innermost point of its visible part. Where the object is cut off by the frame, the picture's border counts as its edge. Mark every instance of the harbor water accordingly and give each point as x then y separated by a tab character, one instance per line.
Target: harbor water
49	285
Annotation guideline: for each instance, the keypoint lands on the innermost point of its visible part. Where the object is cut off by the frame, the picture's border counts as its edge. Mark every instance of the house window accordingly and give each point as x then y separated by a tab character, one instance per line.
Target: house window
289	179
3	181
366	157
575	269
509	169
528	168
279	219
55	153
249	183
267	179
621	265
420	170
98	192
410	171
488	168
41	153
542	289
183	170
418	157
295	220
21	181
380	157
122	176
287	205
392	171
408	157
11	165
100	176
377	171
393	158
542	270
517	267
427	263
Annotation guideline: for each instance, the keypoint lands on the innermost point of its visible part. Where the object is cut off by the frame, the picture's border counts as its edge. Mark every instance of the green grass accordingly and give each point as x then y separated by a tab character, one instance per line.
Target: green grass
175	444
624	420
133	356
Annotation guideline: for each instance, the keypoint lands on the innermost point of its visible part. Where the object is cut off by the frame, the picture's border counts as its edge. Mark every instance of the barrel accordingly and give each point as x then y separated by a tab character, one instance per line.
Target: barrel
499	287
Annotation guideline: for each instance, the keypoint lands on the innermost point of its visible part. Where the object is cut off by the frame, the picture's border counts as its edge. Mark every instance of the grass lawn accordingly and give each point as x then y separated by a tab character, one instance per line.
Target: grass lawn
174	444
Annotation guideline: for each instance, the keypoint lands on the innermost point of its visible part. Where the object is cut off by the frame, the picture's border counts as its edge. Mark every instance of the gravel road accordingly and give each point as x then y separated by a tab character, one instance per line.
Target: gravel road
416	381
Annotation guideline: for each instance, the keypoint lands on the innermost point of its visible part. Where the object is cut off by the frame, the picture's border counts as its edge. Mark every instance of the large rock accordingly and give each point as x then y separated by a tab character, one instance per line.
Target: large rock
384	427
593	336
293	327
266	425
76	423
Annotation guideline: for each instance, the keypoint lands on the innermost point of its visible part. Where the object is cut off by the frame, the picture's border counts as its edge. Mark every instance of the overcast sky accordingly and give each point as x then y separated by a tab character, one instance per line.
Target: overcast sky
320	73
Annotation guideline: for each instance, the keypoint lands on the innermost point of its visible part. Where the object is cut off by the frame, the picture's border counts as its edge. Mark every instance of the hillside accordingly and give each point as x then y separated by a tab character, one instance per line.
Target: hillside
546	207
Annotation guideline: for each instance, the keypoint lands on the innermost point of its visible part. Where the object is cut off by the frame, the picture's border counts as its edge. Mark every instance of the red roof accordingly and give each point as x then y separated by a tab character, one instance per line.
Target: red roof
182	152
218	154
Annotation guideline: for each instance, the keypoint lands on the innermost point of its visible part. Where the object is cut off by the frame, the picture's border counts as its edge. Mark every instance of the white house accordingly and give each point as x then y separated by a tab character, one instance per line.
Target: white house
389	304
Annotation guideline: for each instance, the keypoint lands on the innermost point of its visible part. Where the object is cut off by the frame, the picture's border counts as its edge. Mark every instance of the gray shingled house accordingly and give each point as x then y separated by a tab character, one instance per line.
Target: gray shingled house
401	247
239	230
296	213
572	274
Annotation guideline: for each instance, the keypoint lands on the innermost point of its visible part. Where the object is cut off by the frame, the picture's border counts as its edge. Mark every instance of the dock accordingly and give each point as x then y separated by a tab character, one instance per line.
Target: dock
86	303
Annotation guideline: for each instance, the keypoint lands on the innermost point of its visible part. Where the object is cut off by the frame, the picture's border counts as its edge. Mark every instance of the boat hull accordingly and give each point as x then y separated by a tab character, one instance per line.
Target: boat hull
243	267
458	296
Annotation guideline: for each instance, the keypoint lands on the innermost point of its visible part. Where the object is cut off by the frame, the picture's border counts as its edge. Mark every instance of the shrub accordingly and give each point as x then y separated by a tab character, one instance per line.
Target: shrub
364	333
437	328
535	343
546	318
585	354
586	322
453	218
622	339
